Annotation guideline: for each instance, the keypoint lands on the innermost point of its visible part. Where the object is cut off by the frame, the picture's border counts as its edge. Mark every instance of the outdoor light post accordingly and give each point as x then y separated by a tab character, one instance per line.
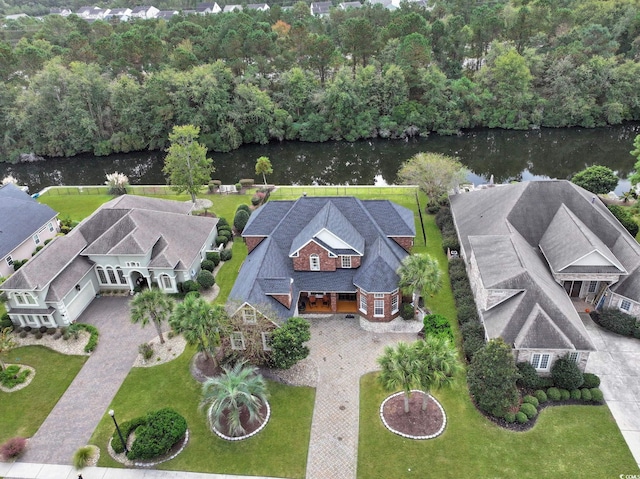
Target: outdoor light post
113	416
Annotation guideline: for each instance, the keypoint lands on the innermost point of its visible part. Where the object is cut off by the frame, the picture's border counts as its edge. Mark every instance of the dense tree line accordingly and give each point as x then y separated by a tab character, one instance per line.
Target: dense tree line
68	86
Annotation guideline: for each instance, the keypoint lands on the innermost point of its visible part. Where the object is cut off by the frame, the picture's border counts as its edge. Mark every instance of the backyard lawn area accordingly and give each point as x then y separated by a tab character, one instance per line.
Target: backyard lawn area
22	412
280	450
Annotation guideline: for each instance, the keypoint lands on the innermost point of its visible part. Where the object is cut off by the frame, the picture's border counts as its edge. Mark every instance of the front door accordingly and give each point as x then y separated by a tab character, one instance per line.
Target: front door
573	288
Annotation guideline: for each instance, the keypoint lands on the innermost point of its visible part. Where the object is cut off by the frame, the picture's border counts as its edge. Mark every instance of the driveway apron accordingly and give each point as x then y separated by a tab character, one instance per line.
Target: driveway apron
617	362
342	352
78	412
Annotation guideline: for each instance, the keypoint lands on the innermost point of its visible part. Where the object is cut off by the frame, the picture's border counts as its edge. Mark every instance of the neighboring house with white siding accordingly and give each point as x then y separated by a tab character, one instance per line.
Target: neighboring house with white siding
129	242
531	247
25	224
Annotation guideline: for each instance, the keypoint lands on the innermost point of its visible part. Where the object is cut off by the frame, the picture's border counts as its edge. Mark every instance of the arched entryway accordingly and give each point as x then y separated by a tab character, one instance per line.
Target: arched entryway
138	281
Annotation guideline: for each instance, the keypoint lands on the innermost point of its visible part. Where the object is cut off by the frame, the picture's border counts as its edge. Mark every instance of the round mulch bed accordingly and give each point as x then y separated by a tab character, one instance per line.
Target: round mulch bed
251	429
416	424
203	368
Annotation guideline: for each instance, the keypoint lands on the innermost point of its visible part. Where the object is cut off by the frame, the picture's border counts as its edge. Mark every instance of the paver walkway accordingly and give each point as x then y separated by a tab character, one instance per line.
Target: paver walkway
343	352
617	362
74	418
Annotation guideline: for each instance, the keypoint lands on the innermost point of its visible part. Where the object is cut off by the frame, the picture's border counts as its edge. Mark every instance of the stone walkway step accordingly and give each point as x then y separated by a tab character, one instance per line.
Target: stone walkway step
24	470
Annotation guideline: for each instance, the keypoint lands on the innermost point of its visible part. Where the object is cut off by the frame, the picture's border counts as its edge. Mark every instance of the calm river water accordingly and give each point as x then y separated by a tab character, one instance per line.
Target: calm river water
507	155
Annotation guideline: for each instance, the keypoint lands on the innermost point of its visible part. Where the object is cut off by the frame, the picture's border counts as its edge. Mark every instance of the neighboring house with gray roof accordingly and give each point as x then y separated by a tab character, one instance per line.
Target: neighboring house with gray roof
322	255
531	247
25	225
129	242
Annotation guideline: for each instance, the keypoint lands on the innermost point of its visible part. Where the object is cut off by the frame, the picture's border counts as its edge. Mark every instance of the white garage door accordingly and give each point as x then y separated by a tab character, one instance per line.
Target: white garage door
81	301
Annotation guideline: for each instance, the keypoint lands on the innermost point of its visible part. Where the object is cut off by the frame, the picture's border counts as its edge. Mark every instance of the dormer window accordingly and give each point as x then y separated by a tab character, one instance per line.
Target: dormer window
314	262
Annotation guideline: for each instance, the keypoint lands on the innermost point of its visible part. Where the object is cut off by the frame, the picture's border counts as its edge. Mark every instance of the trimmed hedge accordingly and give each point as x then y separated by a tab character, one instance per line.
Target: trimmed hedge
565	395
554	394
126	428
528	399
585	394
596	395
616	321
591	380
528	409
189	286
510	417
575	394
225	255
92	330
521	417
240	220
161	431
206	279
566	374
207	265
541	396
473	338
214	257
529	378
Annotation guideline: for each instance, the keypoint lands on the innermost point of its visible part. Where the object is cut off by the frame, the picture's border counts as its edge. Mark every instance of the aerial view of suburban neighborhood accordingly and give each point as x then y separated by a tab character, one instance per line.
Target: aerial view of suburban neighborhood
371	239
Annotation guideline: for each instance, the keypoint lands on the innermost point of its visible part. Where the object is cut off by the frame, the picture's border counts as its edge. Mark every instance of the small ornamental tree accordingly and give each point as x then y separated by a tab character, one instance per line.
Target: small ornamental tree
597	179
566	374
263	167
287	343
240	220
492	378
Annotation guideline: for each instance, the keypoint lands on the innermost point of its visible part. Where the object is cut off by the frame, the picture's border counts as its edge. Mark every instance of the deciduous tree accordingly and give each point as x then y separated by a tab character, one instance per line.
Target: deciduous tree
434	173
596	179
263	166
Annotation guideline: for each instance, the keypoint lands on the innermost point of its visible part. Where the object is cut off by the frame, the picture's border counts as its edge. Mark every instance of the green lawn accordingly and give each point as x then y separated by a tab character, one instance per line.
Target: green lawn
76	207
22	412
228	273
566	441
279	450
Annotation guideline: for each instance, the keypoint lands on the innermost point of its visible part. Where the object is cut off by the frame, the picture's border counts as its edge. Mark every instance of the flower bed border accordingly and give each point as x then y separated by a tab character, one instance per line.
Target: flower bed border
409	436
247	436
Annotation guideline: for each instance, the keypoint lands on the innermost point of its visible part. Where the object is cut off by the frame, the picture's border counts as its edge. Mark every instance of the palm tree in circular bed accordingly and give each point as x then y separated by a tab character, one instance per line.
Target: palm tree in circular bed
438	364
420	275
400	369
227	396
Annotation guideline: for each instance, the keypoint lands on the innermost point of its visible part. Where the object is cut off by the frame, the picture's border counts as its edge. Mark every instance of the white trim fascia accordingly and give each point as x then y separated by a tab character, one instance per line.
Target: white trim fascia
310	240
324	229
595	250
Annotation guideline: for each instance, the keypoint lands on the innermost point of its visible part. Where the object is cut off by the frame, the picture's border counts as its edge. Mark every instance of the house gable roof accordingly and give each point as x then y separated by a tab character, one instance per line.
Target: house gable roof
20	218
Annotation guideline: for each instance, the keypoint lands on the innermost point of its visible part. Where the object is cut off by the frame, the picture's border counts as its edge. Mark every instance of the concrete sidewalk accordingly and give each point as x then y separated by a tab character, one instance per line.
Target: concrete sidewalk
25	470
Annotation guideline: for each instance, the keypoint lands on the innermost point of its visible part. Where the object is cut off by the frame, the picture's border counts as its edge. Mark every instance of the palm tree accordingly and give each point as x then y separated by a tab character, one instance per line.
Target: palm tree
7	343
238	389
400	370
419	274
200	323
151	305
438	364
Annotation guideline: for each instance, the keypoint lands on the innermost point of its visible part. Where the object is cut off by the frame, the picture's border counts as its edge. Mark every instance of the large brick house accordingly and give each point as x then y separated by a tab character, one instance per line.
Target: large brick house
128	242
323	255
531	247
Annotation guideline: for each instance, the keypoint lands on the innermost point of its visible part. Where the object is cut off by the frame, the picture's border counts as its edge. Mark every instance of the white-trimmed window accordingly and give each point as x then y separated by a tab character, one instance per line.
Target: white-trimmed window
249	315
314	262
9	260
574	356
625	304
378	295
112	276
19	298
266	341
165	280
101	276
36	239
592	286
29	298
394	303
378	307
50	226
363	302
541	361
121	277
237	340
346	261
132	264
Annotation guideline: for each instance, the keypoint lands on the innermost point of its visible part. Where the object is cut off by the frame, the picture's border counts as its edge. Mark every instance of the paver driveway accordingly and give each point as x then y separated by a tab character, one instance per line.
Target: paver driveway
72	421
343	352
617	362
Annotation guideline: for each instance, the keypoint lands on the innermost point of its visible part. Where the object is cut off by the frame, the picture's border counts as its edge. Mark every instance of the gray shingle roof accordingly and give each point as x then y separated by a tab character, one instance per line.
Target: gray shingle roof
70	276
20	217
362	222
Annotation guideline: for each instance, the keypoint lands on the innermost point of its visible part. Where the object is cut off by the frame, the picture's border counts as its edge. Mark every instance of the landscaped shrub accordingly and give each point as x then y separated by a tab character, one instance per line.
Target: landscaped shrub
240	220
227	229
11	376
510	417
615	320
287	343
553	394
146	350
529	409
255	200
225	255
472	337
162	430
206	279
625	217
75	328
222	221
450	243
596	395
243	207
13	447
5	322
126	428
207	265
226	234
23	334
575	394
38	335
585	394
82	456
221	240
51	331
590	380
43	329
521	417
531	400
467	312
437	325
529	378
407	312
190	285
565	374
541	396
565	395
246	182
214	257
239	187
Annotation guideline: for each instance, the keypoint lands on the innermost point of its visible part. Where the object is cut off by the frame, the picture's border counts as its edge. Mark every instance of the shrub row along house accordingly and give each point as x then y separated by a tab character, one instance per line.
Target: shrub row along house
531	247
322	255
25	225
128	243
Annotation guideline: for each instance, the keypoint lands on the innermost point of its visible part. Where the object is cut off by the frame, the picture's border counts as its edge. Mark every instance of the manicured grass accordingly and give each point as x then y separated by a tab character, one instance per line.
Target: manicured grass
564	440
279	450
22	412
74	206
228	273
